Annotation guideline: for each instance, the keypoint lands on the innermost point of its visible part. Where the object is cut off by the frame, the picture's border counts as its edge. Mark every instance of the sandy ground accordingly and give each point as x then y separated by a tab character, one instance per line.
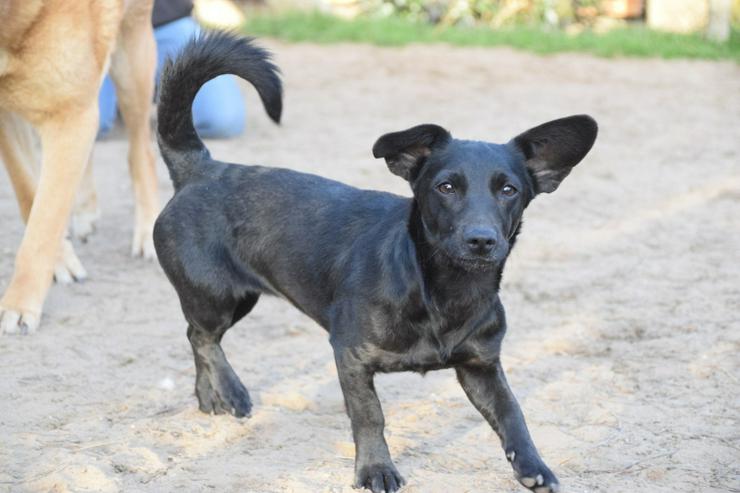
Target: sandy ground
623	299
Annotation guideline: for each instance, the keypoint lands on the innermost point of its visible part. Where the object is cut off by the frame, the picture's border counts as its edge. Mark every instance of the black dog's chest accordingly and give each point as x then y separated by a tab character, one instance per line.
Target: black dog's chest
428	354
421	354
421	357
423	340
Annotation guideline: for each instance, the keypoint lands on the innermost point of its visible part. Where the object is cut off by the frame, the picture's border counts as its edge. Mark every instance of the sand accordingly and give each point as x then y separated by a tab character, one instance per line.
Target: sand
623	298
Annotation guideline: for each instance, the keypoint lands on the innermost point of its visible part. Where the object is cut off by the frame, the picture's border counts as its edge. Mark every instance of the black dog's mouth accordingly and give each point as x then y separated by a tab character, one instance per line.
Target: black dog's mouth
474	264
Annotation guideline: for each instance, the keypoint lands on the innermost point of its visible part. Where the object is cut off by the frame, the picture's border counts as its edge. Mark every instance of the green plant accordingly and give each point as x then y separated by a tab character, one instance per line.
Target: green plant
394	31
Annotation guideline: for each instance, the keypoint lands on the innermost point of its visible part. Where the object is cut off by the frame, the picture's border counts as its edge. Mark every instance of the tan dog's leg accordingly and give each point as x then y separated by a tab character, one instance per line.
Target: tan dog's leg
21	151
63	164
86	211
132	69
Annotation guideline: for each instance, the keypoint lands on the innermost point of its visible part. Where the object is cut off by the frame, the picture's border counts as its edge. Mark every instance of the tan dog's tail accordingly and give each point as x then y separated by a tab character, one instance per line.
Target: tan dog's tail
210	55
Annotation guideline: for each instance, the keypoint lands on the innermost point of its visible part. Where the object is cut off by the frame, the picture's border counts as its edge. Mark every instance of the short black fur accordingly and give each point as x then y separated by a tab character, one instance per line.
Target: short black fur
400	284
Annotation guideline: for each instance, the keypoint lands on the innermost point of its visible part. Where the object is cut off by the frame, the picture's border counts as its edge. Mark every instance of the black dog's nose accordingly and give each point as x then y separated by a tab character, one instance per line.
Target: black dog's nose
480	240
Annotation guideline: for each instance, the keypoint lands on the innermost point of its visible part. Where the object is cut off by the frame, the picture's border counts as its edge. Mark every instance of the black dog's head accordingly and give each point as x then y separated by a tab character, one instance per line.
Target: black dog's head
471	195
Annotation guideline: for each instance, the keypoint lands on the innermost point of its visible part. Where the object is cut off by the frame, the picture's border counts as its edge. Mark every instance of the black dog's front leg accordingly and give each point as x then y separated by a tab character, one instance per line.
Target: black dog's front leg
489	392
374	469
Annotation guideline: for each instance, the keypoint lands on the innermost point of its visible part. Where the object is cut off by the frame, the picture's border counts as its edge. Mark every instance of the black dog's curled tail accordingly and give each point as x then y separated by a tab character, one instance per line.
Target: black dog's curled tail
210	55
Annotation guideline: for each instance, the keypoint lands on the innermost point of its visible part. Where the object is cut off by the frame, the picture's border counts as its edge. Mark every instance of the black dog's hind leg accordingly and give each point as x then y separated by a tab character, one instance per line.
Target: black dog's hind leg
217	386
487	389
374	469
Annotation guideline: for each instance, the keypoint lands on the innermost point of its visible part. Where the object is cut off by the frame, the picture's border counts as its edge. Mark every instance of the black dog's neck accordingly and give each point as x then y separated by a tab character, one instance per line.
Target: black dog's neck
445	285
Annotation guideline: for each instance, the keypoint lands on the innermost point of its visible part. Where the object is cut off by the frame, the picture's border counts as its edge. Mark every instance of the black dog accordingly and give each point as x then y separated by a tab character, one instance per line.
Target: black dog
400	284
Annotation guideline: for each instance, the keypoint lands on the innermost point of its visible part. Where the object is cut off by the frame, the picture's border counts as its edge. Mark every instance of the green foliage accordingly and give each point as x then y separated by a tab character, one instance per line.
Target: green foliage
394	31
495	13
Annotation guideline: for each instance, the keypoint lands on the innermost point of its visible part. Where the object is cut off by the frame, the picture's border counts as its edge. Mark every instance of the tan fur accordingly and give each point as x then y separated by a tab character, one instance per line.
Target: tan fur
53	56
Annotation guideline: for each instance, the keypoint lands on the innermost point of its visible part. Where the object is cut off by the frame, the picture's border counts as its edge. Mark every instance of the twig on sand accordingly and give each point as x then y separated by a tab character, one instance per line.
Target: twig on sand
80	448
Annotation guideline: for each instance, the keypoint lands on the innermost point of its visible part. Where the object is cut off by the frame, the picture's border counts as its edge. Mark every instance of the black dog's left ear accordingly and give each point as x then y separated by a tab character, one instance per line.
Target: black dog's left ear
405	151
552	149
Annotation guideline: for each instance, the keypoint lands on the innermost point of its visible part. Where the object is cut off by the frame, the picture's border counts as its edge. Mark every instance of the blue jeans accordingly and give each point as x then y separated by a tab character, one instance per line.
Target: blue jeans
218	109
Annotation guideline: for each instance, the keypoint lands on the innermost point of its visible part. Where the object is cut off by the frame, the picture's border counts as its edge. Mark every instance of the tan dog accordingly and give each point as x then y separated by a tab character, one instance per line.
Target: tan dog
53	56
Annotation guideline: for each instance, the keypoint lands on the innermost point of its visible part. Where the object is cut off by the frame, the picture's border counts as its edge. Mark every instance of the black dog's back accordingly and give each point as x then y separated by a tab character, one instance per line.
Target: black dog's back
290	247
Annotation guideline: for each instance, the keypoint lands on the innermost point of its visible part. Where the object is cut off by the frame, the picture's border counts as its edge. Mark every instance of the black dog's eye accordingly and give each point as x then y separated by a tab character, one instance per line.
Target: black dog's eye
446	187
509	190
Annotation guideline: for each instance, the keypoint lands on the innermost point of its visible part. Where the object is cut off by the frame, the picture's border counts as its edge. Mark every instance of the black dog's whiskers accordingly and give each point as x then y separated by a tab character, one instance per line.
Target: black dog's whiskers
434	253
400	284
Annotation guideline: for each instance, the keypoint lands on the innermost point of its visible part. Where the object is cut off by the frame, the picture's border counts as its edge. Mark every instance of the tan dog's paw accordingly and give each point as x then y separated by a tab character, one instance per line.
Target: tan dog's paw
14	322
69	269
143	243
83	223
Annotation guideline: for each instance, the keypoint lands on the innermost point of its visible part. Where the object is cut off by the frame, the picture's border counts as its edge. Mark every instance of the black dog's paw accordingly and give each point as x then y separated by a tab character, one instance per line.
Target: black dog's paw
379	478
533	473
228	396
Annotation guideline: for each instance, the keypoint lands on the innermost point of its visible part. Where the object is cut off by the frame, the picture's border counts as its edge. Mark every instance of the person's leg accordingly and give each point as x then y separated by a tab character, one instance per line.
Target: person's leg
218	110
107	104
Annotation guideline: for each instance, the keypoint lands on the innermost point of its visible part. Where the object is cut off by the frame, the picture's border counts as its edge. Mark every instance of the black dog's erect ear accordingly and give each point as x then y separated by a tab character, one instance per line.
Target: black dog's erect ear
552	149
404	151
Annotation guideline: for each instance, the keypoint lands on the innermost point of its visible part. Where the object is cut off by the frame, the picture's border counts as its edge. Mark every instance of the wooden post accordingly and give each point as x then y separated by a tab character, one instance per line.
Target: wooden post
718	27
682	16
